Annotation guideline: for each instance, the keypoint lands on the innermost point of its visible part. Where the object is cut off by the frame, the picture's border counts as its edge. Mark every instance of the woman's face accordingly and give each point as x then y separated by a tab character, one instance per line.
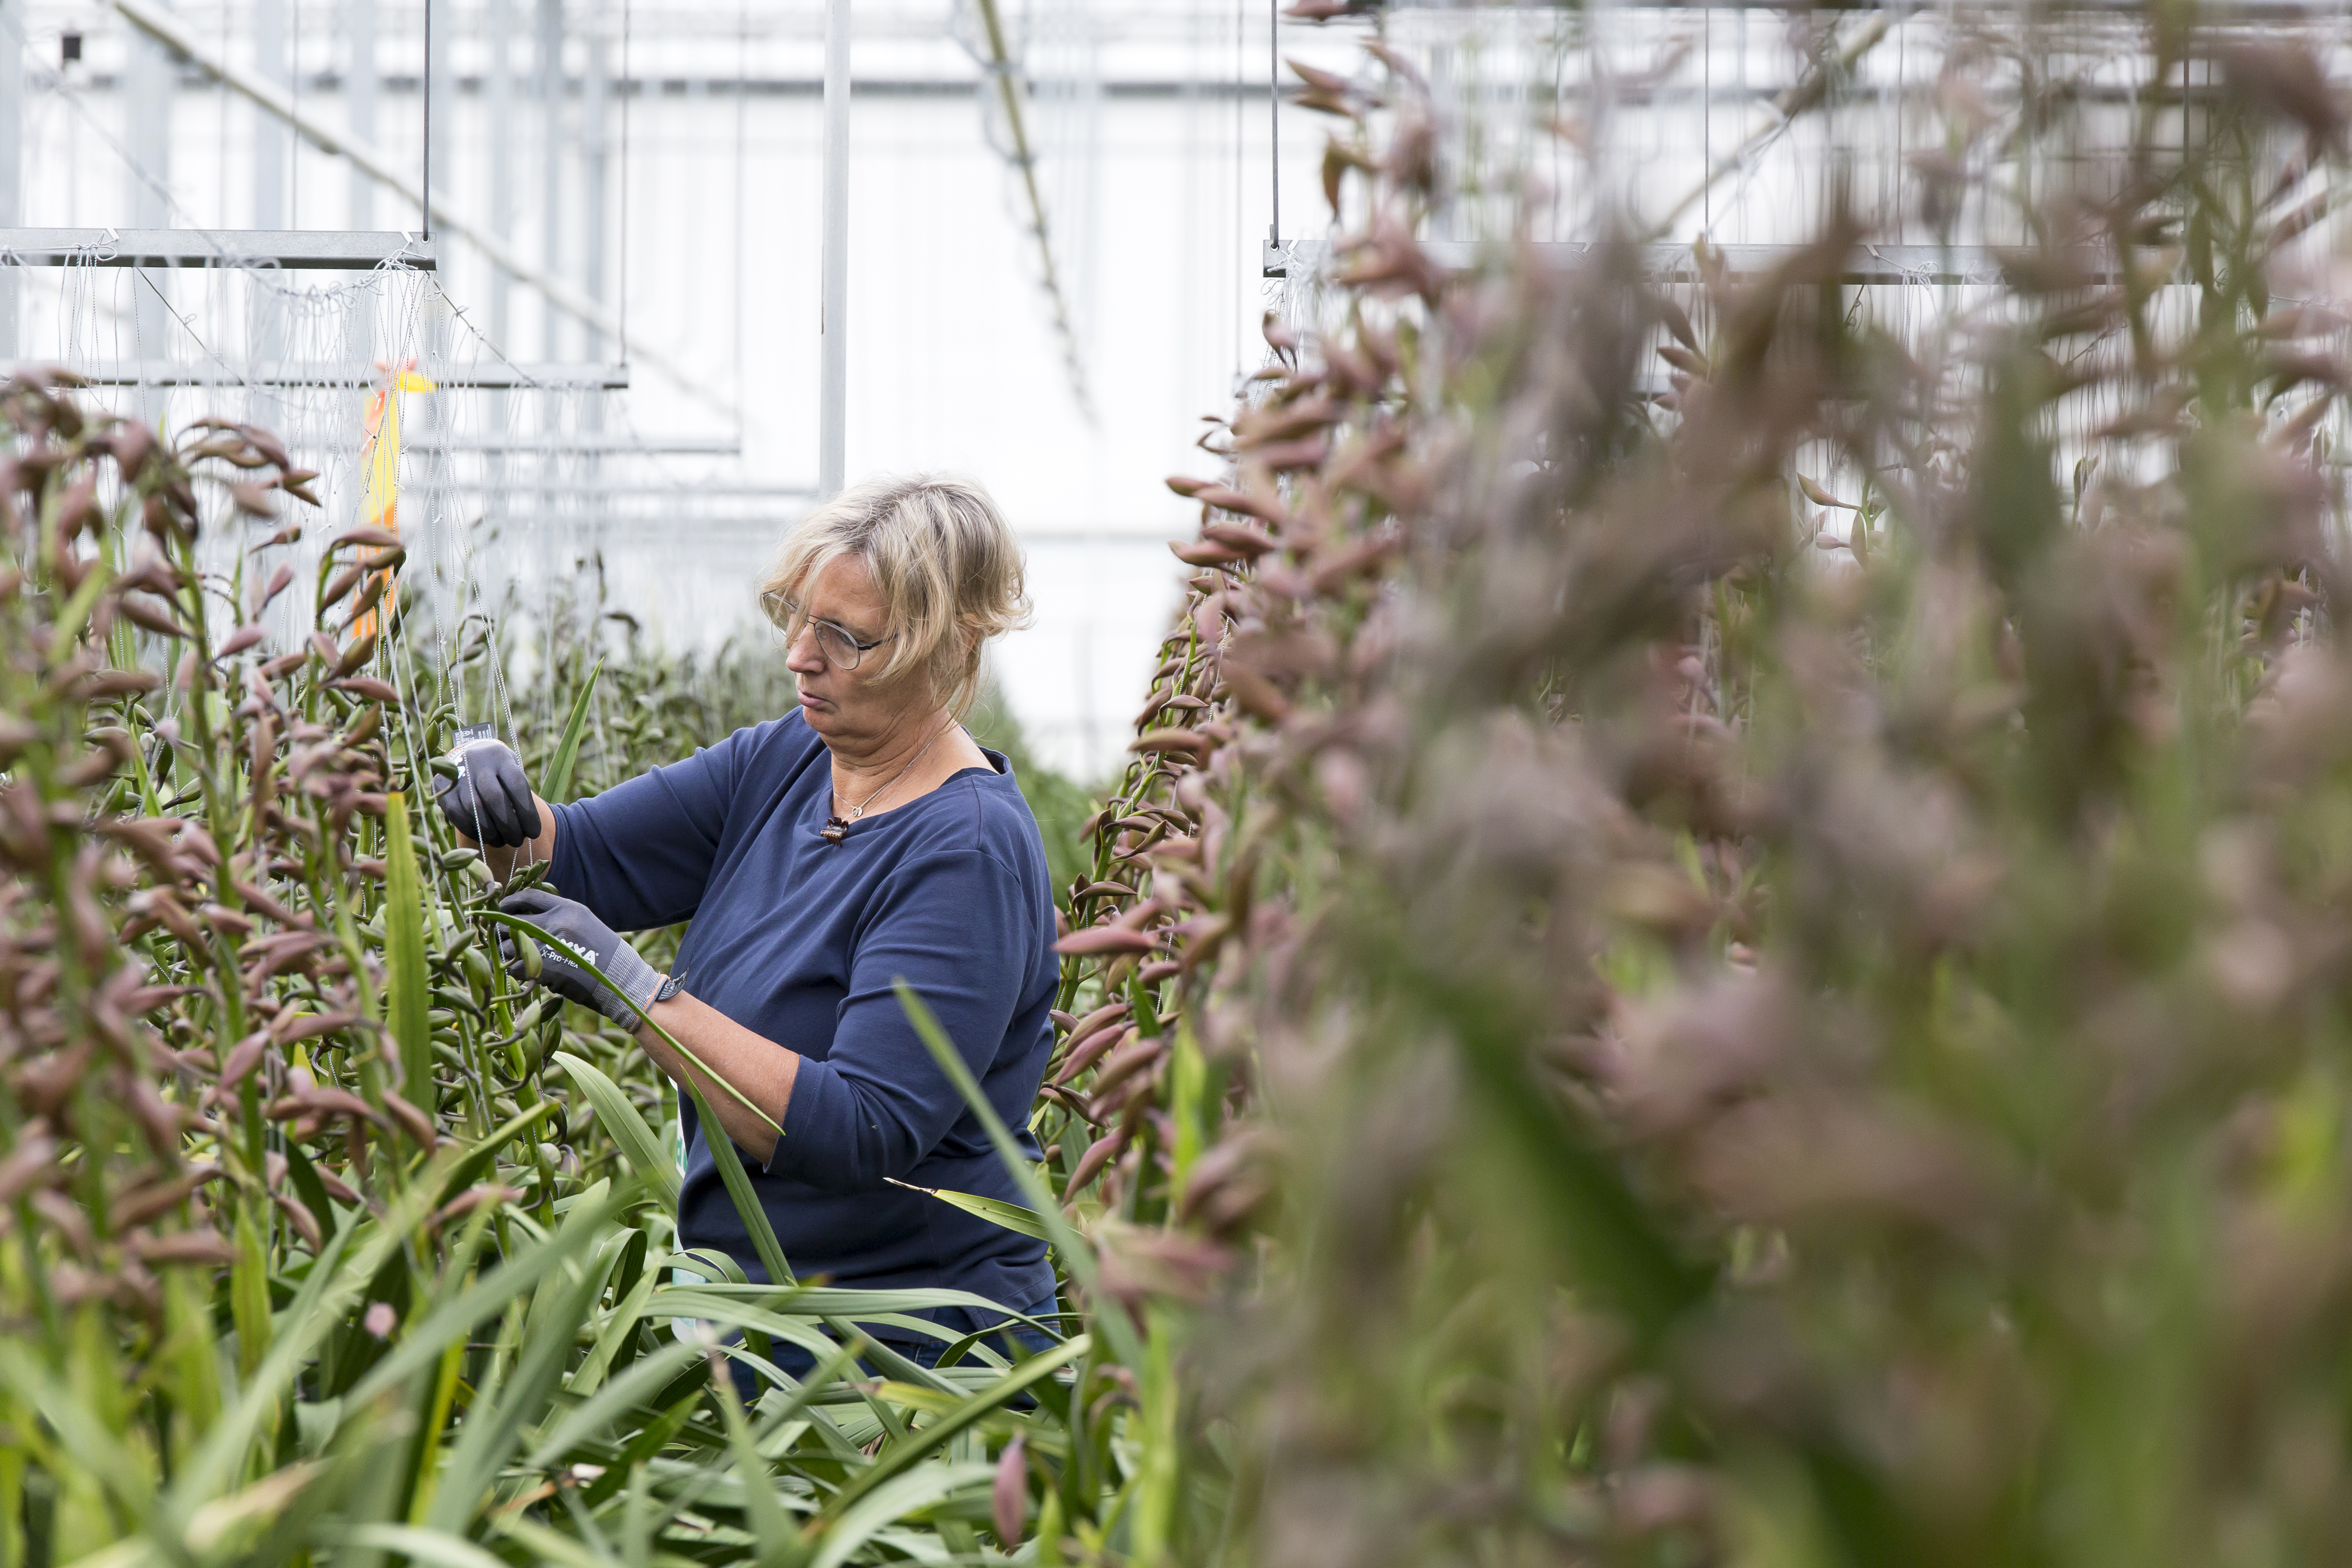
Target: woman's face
849	707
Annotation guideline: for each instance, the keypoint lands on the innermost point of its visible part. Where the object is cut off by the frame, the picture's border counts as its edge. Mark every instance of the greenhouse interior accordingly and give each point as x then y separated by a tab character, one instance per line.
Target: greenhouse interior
1139	783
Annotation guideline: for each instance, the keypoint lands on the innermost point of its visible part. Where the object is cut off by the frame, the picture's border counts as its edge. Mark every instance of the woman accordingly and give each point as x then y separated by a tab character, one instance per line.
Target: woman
825	856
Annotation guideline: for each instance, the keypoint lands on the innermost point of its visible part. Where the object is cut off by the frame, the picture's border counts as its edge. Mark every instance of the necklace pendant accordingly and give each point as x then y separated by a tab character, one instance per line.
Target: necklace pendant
834	830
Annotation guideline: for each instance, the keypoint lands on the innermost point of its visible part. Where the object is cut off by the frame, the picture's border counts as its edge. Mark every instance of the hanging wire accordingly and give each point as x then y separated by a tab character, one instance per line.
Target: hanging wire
742	94
628	92
1273	113
425	179
294	99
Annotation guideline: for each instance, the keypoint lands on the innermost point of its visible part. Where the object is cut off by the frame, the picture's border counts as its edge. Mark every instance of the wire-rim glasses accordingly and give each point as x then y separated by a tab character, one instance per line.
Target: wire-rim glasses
841	649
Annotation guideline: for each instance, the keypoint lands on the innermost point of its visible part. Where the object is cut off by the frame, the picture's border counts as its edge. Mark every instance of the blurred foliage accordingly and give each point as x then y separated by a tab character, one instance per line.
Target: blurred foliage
321	1239
1728	938
1727	942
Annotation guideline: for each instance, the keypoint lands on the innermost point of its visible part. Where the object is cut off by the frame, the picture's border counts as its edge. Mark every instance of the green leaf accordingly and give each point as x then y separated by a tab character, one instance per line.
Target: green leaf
640	1146
309	1187
422	1344
82	1433
903	1454
77	610
996	1211
619	1328
1077	1255
886	1505
647	1377
771	1526
739	1188
834	1301
488	1437
407	985
248	1293
549	1545
420	1545
478	1160
567	751
685	1303
333	1284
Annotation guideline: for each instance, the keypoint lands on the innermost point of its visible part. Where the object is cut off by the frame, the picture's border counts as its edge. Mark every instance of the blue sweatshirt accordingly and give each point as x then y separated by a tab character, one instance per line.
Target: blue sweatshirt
800	941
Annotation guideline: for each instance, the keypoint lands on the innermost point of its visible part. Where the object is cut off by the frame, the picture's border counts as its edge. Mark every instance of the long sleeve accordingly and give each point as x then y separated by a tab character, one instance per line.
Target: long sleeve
958	928
640	854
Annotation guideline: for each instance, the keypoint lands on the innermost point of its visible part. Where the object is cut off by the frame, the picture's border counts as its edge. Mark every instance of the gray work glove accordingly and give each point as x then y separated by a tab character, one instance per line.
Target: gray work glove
584	937
489	801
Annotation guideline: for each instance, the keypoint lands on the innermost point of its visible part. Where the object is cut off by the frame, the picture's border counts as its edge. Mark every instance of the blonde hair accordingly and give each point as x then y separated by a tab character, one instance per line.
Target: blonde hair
943	559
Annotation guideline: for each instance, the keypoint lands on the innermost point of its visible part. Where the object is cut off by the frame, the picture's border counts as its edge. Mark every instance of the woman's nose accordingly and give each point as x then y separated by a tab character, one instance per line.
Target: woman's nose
802	657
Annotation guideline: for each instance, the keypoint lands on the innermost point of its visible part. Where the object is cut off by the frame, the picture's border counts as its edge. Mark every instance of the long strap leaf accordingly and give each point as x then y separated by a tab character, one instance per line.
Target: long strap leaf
995	1211
888	1504
899	1455
647	1377
422	1344
739	1187
406	982
488	1436
567	751
1077	1255
638	1143
714	1133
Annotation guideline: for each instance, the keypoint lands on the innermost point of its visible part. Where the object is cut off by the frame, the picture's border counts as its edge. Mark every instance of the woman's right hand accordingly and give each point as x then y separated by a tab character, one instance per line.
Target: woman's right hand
489	801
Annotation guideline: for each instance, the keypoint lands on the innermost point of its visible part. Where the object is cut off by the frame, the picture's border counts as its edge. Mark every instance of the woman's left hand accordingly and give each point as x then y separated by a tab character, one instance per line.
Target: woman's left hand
586	946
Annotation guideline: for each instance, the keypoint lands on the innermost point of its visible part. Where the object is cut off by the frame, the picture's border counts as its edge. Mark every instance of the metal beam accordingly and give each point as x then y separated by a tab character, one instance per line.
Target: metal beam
12	151
1869	264
359	102
157	23
151	81
601	445
667	493
833	389
297	247
546	48
180	373
501	151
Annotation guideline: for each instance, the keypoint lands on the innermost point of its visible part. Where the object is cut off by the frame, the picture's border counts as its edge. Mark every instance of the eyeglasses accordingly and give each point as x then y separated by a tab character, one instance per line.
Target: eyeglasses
841	649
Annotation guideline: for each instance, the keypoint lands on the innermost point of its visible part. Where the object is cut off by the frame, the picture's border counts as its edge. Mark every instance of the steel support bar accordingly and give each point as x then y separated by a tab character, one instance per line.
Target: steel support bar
157	23
1872	264
559	489
599	446
12	149
303	248
669	522
180	373
833	396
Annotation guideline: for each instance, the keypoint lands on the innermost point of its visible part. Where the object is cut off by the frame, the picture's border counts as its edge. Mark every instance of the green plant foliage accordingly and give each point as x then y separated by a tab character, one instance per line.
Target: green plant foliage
1721	966
304	1255
1747	966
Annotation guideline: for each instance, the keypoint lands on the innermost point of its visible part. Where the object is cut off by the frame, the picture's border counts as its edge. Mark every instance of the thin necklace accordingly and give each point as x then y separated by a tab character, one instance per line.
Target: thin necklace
837	826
